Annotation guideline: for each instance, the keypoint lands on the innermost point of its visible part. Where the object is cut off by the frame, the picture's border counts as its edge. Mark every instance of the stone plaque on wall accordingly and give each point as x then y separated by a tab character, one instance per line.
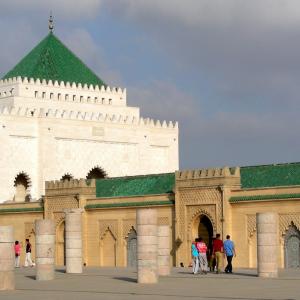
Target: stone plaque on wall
98	131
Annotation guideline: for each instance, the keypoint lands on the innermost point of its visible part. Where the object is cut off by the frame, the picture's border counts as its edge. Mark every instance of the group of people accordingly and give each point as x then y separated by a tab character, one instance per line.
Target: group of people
217	251
28	260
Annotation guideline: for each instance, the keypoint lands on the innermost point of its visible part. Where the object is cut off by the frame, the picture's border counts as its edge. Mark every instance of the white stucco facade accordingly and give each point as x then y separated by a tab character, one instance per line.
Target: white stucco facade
49	129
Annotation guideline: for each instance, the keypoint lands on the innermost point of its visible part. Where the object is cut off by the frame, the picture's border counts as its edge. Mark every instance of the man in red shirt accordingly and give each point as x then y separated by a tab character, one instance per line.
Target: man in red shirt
218	252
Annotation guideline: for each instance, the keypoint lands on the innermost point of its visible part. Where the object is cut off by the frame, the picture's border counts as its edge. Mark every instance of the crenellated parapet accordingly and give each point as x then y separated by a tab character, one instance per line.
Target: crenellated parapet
211	176
70	184
86	116
62	91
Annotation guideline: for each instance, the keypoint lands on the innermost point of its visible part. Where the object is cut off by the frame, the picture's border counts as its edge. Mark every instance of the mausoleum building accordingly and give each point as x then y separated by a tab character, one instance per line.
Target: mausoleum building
58	119
69	141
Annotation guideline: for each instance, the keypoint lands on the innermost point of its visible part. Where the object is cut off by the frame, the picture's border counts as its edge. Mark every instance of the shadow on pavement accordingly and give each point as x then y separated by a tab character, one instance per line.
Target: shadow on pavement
128	279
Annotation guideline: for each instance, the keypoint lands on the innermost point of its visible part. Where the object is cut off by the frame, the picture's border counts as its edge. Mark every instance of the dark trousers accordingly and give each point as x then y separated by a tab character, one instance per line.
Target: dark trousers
228	268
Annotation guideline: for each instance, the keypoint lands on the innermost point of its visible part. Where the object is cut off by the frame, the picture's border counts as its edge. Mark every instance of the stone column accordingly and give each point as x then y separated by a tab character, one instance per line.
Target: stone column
45	249
73	229
146	220
267	244
163	250
7	258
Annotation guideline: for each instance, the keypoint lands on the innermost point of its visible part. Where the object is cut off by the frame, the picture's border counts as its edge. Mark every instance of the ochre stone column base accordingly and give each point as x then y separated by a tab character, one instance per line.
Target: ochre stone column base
7	258
146	219
45	249
267	244
73	240
163	250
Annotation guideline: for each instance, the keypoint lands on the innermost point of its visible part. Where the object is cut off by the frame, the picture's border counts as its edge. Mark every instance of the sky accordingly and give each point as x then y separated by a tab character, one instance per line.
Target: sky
227	70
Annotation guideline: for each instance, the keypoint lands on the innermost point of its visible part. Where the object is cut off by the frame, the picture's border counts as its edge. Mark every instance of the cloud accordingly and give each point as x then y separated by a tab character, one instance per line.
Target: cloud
196	13
163	100
246	51
68	9
83	45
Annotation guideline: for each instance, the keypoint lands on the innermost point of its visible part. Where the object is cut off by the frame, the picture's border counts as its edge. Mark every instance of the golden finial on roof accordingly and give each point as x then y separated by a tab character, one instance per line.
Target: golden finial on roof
51	25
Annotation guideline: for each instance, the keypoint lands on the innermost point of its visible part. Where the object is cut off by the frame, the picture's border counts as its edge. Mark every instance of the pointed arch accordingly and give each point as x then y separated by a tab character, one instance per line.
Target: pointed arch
108	247
131	248
60	253
199	213
292	247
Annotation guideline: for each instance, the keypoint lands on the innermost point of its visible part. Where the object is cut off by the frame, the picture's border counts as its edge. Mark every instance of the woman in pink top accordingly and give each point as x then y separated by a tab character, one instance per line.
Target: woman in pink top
202	249
17	254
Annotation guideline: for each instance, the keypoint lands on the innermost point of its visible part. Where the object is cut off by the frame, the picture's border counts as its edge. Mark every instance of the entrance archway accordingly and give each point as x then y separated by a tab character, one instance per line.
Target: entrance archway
131	249
60	245
202	227
292	247
205	229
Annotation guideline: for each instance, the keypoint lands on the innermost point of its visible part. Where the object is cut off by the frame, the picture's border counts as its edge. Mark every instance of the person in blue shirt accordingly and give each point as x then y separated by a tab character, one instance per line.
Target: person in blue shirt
229	251
195	256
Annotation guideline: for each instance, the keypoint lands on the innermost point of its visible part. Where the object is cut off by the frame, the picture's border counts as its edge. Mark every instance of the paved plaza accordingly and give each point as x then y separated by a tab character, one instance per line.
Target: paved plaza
120	283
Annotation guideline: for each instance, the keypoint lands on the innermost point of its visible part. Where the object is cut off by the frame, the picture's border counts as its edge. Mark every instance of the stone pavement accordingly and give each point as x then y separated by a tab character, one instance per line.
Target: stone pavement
120	283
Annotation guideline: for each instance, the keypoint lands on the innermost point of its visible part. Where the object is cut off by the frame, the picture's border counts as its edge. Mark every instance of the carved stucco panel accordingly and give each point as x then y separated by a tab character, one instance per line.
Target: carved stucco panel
194	211
251	225
285	220
203	197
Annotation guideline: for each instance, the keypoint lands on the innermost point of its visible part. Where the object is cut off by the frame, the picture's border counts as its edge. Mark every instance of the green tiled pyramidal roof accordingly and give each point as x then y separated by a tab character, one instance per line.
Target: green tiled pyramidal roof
270	175
135	185
51	59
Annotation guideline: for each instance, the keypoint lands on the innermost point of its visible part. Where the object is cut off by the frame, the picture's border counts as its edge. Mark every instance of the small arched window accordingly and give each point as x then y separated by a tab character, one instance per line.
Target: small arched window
51	95
66	177
96	173
36	94
22	183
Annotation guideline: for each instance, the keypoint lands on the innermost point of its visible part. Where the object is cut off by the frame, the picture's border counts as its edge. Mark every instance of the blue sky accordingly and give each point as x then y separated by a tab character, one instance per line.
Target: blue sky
228	71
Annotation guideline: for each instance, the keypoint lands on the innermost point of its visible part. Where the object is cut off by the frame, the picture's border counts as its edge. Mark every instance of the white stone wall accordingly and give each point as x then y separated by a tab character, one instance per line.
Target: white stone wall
46	143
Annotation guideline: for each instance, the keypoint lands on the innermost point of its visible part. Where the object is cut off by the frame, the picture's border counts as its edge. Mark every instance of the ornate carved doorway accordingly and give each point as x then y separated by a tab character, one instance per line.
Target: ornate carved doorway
131	249
292	248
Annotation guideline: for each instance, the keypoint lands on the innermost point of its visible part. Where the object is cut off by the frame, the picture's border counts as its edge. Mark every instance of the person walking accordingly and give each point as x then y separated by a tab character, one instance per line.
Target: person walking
28	261
195	256
218	252
17	254
202	249
229	252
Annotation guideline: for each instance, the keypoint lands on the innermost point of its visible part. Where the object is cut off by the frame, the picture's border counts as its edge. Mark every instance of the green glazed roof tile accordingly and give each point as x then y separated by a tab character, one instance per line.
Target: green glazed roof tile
130	204
135	185
270	175
264	197
52	60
